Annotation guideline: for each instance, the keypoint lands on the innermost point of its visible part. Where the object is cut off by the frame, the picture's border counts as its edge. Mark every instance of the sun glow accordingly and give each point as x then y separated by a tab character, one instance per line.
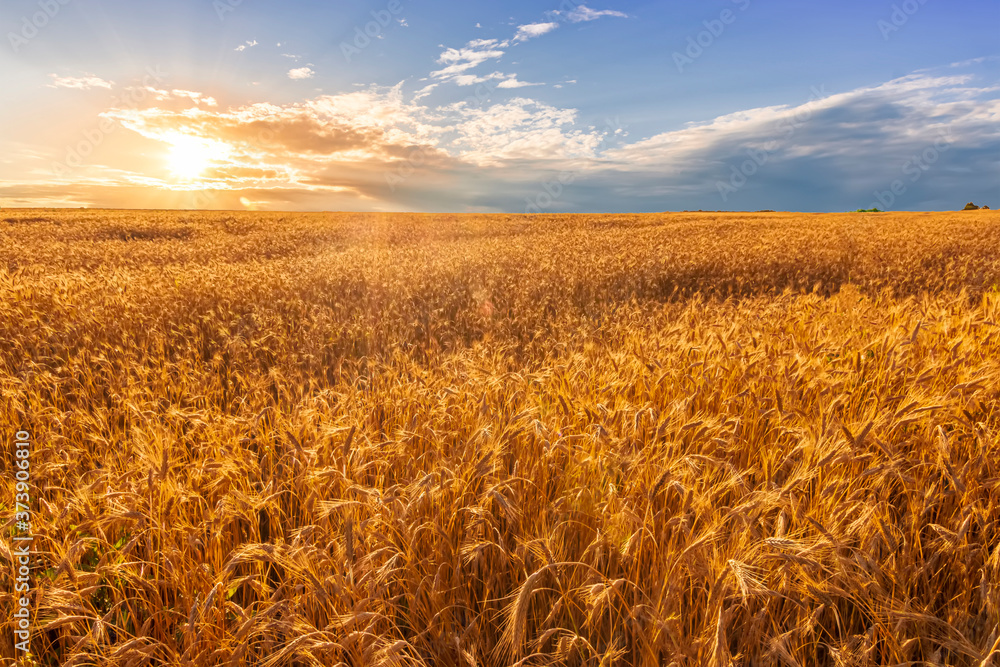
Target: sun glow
190	156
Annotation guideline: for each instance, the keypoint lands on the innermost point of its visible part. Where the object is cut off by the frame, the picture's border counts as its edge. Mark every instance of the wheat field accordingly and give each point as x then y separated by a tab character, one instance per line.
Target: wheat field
454	440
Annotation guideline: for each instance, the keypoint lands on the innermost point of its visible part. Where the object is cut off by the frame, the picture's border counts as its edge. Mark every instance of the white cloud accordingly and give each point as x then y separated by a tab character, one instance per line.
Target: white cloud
832	153
177	94
459	61
424	92
472	55
514	83
522	129
526	32
197	98
79	82
472	79
476	43
583	13
301	73
246	45
931	136
900	108
372	127
506	80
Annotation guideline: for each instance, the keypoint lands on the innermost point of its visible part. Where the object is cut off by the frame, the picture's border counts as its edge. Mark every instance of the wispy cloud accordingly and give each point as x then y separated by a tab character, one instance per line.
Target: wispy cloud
473	54
79	82
506	80
246	45
526	32
513	82
424	92
582	13
473	79
459	61
177	94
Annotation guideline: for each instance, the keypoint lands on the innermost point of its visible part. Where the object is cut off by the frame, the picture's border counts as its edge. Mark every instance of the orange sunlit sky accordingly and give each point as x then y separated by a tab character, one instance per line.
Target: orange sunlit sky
529	106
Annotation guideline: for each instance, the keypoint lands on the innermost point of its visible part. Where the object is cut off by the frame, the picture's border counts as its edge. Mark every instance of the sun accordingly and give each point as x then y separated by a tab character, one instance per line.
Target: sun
190	156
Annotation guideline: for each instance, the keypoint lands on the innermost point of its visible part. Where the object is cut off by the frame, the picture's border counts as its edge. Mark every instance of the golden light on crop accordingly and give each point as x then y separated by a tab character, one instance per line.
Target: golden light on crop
628	440
190	157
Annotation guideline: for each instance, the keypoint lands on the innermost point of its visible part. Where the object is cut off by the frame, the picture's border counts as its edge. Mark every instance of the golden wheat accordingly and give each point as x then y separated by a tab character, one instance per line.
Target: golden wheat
757	439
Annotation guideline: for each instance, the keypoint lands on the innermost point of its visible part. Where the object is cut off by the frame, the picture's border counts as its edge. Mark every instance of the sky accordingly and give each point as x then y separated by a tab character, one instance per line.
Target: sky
516	107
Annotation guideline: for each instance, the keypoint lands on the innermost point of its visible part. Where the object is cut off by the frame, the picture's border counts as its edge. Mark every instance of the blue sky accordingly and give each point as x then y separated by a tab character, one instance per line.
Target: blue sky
487	106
